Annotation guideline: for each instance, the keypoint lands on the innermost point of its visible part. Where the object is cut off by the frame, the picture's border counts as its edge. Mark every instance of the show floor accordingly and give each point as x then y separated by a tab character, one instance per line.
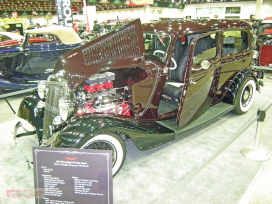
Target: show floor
203	167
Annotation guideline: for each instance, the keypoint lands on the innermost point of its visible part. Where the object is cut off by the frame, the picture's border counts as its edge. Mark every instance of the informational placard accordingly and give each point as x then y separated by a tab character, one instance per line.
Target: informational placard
72	176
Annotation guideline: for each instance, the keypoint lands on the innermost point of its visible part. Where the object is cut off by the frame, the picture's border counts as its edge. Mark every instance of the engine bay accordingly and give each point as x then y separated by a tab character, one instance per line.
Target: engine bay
99	94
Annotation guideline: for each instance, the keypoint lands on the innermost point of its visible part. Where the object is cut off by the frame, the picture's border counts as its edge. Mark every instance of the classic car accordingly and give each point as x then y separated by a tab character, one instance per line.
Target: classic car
8	38
23	65
263	52
150	83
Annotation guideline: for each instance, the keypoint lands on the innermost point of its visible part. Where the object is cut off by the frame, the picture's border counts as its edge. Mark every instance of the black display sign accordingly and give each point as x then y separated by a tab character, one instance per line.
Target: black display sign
64	12
72	176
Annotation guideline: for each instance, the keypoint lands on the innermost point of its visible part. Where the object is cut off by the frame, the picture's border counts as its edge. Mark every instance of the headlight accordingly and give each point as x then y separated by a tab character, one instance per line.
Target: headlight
255	54
41	89
64	108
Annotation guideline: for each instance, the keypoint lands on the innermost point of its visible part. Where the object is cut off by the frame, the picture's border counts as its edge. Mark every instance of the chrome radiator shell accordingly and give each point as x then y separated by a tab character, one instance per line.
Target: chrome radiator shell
54	91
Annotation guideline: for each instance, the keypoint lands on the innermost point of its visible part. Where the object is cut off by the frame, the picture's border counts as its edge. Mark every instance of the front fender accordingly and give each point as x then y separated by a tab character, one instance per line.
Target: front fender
145	134
29	111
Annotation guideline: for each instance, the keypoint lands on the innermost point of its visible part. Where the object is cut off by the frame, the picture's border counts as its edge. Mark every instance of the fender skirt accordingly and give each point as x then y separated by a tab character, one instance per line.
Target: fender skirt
145	134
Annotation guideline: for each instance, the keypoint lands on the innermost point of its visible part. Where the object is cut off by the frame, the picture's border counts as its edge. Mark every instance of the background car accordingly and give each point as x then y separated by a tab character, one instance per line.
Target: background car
263	53
8	38
22	66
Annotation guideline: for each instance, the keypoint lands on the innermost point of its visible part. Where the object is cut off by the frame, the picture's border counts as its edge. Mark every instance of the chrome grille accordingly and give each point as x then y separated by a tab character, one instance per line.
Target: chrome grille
55	90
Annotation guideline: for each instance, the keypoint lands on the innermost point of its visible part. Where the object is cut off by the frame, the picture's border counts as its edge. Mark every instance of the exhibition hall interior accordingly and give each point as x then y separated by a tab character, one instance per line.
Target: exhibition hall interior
136	102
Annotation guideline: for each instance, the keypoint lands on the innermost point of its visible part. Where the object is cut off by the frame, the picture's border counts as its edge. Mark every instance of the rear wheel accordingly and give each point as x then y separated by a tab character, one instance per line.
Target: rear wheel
245	96
109	141
47	56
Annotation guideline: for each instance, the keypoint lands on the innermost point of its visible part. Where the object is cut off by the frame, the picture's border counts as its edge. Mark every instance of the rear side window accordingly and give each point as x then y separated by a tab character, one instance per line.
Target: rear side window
234	41
205	48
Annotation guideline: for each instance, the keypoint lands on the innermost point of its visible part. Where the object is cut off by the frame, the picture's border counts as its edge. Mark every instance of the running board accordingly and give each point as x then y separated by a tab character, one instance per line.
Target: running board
211	114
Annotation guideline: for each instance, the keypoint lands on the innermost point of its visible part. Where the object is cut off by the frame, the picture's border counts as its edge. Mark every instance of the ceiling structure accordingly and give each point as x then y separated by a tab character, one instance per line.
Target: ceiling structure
50	6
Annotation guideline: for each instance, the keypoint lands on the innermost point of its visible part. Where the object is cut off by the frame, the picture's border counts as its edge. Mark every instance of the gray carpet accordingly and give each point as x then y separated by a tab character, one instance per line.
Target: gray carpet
188	170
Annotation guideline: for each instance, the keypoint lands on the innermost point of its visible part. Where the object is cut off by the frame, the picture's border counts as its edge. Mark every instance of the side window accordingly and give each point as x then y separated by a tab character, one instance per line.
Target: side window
205	48
234	41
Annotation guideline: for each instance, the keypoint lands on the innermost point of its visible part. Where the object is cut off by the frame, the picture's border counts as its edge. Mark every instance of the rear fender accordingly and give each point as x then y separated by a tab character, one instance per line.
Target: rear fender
145	134
236	84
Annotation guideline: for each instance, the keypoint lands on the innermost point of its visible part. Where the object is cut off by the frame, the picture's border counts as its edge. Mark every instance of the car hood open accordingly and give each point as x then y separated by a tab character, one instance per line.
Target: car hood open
123	47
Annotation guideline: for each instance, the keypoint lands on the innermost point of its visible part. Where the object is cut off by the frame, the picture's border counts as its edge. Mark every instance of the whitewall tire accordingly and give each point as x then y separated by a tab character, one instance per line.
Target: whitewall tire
109	141
245	96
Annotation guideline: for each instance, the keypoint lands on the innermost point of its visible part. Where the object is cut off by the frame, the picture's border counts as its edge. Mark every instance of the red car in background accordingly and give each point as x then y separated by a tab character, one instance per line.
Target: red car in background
9	38
263	54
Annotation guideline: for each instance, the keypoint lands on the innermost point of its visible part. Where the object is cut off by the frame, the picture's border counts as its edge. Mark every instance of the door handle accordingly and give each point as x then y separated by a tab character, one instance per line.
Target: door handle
192	82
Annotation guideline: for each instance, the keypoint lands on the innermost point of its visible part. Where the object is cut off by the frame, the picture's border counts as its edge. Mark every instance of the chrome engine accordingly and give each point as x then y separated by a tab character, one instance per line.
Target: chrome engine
99	95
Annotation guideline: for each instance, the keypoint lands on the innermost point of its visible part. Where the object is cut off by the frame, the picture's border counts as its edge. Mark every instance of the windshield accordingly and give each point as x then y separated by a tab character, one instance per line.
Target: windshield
157	44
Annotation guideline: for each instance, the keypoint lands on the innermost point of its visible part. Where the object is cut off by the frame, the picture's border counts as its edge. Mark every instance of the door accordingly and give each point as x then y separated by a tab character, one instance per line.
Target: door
236	55
200	71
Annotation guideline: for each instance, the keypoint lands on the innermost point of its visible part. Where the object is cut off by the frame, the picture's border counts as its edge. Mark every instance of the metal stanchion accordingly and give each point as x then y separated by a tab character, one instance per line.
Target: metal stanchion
257	153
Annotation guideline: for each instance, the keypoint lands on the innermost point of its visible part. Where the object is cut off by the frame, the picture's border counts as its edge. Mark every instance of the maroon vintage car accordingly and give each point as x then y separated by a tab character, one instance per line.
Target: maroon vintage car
150	83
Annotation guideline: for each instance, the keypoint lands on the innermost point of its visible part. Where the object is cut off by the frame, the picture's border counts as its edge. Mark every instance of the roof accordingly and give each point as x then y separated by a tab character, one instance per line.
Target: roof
12	35
67	35
183	27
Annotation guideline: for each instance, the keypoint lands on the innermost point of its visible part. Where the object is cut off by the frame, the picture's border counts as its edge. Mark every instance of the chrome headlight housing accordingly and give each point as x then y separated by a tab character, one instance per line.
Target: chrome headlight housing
65	108
41	89
255	54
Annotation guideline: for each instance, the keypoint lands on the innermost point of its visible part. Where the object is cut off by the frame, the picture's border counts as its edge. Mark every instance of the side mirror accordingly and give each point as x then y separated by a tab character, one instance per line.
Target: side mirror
205	64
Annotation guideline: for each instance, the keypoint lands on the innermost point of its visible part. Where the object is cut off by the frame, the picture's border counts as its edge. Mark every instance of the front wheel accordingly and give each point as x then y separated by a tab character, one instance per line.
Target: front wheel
109	141
245	96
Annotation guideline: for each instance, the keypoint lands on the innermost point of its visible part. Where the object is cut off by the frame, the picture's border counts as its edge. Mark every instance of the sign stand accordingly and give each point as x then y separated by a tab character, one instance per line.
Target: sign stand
256	153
